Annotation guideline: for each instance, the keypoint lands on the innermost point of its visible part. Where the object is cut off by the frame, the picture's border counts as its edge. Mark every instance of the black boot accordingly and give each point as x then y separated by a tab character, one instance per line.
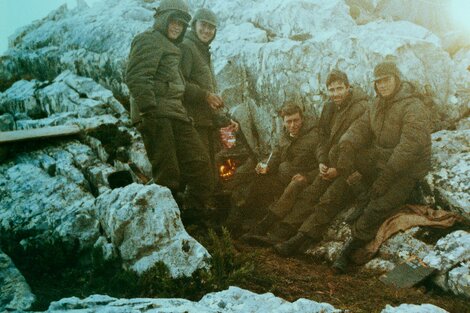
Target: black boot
262	227
343	260
291	246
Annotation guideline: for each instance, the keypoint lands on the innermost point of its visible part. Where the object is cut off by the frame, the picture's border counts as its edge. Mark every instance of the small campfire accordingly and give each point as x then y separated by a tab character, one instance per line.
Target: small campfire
227	169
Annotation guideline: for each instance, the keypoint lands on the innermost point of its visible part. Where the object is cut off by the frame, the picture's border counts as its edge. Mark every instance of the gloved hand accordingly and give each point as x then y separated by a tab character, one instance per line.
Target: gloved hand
381	184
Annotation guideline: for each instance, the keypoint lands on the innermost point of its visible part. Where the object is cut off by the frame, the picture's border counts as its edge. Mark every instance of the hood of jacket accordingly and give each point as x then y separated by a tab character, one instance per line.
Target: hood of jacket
163	20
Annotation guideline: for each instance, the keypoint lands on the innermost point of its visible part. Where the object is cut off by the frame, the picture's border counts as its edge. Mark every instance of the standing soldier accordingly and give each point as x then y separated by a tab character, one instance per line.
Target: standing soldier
156	85
395	137
198	71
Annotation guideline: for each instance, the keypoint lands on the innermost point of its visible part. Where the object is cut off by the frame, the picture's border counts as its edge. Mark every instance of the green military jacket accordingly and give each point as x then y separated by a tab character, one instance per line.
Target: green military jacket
335	121
397	130
153	74
297	154
198	71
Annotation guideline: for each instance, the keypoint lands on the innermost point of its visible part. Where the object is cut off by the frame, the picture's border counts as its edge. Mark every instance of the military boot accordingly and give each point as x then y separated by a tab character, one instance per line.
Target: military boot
343	260
291	246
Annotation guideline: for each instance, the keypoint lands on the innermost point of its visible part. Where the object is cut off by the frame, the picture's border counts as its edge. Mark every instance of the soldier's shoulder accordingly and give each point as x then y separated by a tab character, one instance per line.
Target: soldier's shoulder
147	37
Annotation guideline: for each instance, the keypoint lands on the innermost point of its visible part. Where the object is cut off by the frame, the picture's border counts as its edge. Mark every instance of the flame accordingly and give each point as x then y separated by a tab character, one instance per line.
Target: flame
227	169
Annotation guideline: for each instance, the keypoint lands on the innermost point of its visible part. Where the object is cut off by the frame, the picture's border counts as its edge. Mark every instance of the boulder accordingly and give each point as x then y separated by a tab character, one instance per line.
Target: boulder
232	300
68	99
448	181
15	293
62	192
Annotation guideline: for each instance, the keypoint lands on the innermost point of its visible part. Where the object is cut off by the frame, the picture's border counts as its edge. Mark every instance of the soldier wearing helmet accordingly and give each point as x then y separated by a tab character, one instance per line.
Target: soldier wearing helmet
157	87
196	65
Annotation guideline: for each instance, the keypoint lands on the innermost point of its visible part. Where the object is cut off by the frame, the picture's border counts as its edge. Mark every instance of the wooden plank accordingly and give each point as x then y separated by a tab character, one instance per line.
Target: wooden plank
38	133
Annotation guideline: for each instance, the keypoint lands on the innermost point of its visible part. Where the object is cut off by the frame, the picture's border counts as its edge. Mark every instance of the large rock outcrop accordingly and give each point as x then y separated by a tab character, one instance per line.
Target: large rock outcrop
265	52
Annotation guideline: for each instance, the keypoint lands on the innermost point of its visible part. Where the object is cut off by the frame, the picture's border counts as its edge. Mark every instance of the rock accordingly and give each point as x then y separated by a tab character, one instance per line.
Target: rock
15	294
449	178
450	251
413	308
459	280
143	223
232	300
69	99
7	122
265	52
50	193
451	256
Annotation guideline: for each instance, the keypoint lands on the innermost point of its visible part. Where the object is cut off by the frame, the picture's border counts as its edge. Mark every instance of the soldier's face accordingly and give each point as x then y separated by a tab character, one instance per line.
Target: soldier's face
386	85
205	31
338	91
293	123
175	28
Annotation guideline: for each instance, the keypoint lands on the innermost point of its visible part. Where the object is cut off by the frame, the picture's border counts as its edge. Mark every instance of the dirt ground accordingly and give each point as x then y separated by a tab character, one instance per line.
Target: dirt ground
359	291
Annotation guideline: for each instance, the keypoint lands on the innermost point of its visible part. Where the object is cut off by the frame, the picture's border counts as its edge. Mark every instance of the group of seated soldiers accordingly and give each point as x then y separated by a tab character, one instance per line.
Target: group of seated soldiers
367	152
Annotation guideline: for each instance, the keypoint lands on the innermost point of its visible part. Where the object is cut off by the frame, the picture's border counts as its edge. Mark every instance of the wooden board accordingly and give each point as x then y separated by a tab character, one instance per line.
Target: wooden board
38	133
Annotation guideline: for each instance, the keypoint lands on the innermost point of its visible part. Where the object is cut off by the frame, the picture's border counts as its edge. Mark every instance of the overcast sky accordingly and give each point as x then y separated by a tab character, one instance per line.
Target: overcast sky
17	13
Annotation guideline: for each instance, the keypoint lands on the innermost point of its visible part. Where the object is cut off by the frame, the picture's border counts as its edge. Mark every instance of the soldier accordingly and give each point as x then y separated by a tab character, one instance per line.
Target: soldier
156	85
330	192
392	143
197	68
291	160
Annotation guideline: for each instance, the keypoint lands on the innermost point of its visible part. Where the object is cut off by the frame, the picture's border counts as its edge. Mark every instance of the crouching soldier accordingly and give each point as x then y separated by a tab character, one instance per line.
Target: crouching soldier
329	193
156	85
391	146
290	160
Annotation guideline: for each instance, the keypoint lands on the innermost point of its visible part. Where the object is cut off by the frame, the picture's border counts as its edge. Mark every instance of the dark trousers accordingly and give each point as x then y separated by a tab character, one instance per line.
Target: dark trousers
337	197
381	208
208	137
177	156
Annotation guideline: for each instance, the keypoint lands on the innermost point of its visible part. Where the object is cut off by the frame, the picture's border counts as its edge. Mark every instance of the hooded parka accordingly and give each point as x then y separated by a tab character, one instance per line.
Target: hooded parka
157	86
394	137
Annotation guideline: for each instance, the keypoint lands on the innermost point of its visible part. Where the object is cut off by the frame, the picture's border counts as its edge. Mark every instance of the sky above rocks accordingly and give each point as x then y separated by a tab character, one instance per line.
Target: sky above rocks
18	13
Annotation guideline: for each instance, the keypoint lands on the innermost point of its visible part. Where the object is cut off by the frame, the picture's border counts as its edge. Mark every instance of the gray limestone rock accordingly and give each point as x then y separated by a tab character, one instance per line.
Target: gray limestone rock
233	300
15	294
413	308
449	179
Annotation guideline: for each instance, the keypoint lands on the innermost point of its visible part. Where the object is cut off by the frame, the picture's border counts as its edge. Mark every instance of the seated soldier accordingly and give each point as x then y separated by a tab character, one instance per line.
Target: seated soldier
394	139
329	193
290	160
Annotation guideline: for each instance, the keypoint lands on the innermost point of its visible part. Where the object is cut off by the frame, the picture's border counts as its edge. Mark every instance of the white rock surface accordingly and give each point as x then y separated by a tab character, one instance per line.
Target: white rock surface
48	192
265	52
15	293
229	301
144	223
449	179
450	251
459	280
69	99
413	308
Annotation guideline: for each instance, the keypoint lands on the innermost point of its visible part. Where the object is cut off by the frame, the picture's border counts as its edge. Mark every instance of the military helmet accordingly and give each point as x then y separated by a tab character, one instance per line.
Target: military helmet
205	15
178	5
385	69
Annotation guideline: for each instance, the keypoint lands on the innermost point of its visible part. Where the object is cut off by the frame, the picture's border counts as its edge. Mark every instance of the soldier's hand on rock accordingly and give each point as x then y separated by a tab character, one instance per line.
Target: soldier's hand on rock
214	101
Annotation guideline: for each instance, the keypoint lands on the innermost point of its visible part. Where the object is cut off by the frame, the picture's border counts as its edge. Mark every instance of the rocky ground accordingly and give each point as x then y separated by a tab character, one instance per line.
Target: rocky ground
66	230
